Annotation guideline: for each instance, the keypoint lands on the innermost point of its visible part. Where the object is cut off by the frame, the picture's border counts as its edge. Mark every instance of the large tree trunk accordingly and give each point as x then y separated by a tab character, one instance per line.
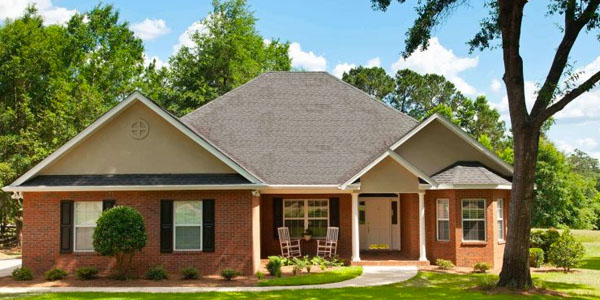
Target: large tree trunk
515	266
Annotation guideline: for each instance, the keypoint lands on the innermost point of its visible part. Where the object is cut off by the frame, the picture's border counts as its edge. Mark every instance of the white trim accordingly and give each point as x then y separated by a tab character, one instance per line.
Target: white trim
410	167
472	187
75	226
201	225
437	219
135	96
129	188
462	220
355	229
306	218
422	240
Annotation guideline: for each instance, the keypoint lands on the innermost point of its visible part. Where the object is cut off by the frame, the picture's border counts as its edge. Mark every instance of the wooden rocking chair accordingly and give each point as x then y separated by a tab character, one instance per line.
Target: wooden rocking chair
289	247
328	247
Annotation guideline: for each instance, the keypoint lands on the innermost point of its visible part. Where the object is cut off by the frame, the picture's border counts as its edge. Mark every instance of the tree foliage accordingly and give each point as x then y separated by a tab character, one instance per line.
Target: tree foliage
373	81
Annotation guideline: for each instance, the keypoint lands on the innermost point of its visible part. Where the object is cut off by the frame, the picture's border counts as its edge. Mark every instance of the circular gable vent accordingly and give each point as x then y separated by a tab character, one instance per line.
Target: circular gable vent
139	129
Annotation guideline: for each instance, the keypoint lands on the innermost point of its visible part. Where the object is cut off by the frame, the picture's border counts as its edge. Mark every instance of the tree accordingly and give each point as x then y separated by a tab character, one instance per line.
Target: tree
120	232
504	23
56	80
373	81
227	53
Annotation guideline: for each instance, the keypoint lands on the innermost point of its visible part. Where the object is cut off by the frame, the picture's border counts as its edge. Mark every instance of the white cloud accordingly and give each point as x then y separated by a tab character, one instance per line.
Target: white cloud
339	69
306	60
439	60
150	29
51	14
564	146
586	143
374	62
185	39
587	105
495	85
159	62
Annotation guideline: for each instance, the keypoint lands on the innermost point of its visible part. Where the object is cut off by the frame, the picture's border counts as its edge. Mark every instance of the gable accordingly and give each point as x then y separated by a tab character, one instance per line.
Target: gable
436	146
388	176
113	149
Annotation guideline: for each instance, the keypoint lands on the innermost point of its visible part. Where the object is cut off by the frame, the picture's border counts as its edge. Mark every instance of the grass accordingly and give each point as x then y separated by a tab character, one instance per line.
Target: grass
337	275
586	278
427	285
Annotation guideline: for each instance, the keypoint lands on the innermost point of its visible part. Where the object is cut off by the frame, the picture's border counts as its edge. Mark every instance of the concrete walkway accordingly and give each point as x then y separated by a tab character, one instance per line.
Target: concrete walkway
372	276
8	265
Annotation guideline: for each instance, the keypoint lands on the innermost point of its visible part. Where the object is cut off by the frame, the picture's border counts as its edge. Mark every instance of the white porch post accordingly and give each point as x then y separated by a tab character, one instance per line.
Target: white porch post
422	252
355	230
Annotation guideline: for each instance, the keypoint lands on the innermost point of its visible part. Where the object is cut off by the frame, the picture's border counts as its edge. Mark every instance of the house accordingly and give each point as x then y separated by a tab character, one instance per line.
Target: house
295	149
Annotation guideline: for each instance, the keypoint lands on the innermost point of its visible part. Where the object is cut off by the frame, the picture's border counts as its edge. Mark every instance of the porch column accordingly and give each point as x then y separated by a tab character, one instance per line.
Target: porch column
355	231
422	252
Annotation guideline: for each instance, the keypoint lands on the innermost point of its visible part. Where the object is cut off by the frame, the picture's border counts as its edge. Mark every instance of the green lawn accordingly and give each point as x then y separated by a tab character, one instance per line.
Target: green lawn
423	286
587	276
315	278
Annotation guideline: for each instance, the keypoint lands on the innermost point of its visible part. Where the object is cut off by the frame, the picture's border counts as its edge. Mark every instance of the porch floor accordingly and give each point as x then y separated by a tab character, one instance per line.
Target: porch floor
387	258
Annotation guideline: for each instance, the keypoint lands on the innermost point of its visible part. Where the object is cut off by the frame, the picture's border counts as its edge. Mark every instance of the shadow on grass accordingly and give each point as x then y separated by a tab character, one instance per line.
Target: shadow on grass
423	286
590	263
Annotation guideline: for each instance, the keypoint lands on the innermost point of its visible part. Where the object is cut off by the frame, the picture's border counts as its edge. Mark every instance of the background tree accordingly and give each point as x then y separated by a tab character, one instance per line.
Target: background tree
504	23
373	81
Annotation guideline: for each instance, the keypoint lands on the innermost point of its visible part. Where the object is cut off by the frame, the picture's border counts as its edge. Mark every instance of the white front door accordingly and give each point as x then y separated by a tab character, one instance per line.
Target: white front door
378	223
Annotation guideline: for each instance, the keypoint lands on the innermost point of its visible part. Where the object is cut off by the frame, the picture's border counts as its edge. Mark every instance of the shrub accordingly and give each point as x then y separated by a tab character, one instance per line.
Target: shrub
543	239
444	264
55	274
189	273
487	283
229	274
274	265
260	275
156	273
86	273
120	232
22	274
536	257
299	264
566	252
481	267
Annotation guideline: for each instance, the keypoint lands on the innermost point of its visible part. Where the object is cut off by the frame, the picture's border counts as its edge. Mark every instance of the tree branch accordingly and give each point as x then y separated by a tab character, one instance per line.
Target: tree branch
573	27
567	98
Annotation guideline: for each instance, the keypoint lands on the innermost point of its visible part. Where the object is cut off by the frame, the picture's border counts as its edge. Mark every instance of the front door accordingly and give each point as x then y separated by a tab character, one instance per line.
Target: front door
378	225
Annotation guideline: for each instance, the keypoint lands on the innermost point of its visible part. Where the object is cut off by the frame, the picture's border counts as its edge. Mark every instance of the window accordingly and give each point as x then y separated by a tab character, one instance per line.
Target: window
473	218
500	206
394	212
443	220
86	215
361	213
301	214
188	225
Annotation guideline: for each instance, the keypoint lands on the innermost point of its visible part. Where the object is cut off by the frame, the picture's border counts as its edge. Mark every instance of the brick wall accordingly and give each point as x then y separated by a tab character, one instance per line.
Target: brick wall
270	245
233	232
409	225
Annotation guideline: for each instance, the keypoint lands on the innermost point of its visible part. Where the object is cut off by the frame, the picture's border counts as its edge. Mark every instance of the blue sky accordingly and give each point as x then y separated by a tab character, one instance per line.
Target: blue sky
334	35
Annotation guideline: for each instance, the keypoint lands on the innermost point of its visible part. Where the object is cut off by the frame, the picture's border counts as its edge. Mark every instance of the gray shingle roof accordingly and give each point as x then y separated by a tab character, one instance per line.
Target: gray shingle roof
469	172
135	179
300	127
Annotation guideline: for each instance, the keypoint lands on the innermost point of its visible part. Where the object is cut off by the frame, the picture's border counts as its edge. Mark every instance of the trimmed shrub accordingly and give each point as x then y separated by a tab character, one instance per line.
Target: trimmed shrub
86	273
566	252
156	273
536	257
55	274
189	273
229	274
120	232
274	265
444	264
481	267
543	239
22	274
260	275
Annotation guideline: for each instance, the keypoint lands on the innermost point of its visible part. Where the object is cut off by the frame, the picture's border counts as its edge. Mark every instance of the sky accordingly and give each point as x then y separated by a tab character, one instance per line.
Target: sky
336	35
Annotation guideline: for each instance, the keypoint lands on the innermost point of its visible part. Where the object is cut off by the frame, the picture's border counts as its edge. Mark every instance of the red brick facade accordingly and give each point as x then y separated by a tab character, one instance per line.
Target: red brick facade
233	232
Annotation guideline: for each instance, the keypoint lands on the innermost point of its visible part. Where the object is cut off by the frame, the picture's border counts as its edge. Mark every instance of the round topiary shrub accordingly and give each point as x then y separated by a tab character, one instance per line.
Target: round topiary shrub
156	273
22	274
229	274
55	274
444	264
536	257
189	273
120	232
87	273
481	267
566	252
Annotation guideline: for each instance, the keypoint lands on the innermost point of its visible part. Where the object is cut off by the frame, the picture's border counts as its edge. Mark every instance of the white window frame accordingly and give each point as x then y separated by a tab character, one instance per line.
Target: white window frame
500	204
438	219
306	218
75	226
484	219
175	225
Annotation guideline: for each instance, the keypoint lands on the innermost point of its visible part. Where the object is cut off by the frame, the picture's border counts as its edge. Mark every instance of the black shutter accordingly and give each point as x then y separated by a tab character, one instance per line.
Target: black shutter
66	226
208	225
277	215
108	204
166	226
334	212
